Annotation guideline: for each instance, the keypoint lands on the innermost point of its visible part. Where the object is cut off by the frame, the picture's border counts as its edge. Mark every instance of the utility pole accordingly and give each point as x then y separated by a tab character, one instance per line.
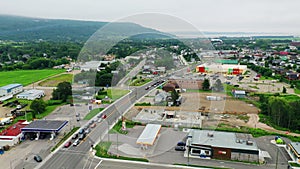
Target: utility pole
277	158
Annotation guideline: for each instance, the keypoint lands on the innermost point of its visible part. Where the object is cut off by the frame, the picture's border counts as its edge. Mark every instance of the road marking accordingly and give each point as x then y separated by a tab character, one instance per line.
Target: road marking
98	164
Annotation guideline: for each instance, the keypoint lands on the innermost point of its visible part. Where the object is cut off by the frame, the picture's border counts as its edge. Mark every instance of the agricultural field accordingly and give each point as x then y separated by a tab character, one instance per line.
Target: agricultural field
26	77
54	81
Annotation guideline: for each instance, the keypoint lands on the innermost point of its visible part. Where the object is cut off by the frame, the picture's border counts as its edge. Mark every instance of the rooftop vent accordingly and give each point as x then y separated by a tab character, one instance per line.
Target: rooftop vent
249	143
210	134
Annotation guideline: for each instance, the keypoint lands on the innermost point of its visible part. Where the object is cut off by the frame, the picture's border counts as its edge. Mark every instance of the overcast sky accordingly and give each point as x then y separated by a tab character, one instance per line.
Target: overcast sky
206	15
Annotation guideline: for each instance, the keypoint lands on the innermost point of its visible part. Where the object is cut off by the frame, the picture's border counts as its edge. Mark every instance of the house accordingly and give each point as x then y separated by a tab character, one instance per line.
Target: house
239	93
222	145
293	76
31	94
161	97
169	87
11	89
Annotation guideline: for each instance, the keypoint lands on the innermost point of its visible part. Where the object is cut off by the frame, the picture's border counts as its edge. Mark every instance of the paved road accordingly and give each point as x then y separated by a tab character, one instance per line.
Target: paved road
125	165
74	157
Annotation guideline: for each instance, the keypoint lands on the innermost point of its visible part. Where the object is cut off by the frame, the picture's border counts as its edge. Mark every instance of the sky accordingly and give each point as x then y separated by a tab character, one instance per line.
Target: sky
280	16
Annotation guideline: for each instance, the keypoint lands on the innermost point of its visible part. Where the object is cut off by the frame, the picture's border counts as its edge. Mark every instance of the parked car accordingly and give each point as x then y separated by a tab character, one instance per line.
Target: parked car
76	142
82	136
181	143
81	131
87	131
75	136
93	125
68	144
180	148
38	158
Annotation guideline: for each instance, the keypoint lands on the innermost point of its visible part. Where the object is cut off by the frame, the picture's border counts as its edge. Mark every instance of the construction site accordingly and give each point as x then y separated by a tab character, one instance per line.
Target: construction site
197	110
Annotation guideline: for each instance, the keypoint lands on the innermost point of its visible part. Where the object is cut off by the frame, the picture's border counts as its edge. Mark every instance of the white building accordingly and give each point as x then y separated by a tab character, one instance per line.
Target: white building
31	94
11	89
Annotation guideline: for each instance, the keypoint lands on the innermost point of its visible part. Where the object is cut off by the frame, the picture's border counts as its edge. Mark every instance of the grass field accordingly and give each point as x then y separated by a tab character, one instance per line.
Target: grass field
114	94
92	113
54	81
26	77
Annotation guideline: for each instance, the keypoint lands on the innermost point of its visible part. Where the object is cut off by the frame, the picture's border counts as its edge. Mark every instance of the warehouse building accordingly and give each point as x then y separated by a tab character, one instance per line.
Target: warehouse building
229	69
222	145
31	94
11	89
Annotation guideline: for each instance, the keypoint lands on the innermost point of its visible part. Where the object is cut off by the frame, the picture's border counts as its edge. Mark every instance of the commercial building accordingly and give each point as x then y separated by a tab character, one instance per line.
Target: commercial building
12	135
222	145
294	151
230	69
149	135
11	89
38	127
31	94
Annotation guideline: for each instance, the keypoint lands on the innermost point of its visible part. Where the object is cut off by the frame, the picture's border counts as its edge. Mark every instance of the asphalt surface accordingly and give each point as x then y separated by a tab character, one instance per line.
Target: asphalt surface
77	157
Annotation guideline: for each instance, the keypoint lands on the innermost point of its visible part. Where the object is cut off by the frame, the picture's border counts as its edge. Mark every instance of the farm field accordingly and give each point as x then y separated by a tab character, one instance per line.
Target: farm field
54	81
26	77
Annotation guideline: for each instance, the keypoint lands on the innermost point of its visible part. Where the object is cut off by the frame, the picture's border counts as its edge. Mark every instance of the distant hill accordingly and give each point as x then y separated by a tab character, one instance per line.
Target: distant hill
31	29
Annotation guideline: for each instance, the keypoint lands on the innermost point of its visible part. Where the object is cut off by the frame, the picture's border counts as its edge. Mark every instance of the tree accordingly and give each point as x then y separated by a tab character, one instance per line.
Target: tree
38	106
218	86
174	96
205	85
62	92
283	90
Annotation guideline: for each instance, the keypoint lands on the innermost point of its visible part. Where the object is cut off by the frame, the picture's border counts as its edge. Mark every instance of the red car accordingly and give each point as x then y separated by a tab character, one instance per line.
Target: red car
68	144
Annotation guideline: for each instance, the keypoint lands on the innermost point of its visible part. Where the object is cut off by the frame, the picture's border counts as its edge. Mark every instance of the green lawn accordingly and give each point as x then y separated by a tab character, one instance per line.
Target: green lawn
26	77
139	82
113	94
297	91
266	78
92	113
54	81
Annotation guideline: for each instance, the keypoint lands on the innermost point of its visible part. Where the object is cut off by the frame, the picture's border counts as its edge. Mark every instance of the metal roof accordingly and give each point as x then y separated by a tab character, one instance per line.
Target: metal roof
32	92
222	139
149	134
239	92
296	146
45	126
10	86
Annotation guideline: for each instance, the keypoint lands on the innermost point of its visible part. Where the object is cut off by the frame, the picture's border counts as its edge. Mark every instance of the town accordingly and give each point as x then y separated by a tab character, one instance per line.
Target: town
80	93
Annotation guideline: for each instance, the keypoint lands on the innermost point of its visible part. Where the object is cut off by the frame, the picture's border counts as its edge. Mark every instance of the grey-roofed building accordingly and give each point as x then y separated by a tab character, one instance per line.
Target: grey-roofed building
222	145
44	126
294	151
31	94
239	93
11	89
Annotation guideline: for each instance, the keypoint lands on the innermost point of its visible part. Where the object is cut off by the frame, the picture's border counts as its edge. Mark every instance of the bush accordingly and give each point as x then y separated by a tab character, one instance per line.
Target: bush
54	102
143	104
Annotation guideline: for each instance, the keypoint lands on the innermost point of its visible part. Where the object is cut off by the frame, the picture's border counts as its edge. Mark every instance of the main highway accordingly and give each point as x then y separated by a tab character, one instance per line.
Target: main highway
80	156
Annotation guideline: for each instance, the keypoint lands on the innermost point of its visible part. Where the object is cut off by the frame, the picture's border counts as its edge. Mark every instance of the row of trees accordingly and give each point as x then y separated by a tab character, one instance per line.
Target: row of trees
281	112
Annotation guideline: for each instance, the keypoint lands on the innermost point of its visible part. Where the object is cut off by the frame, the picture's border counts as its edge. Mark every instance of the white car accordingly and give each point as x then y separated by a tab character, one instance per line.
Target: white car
76	142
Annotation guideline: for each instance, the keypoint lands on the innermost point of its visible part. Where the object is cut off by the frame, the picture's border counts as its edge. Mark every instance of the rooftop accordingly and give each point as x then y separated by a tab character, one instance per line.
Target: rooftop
222	139
10	86
45	125
15	129
31	92
296	146
149	134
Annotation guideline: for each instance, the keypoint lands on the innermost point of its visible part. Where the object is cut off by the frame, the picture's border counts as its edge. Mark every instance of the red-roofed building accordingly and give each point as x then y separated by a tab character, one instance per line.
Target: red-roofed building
13	134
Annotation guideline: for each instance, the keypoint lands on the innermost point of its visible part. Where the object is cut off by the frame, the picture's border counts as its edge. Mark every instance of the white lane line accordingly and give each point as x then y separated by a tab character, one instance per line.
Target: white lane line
98	164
